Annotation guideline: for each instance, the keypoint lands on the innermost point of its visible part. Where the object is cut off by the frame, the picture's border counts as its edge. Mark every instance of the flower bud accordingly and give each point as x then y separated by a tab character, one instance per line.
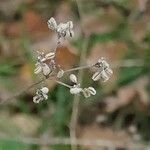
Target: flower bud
73	78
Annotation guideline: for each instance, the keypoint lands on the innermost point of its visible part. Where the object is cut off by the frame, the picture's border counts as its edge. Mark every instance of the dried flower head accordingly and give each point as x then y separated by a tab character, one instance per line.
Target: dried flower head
76	89
63	30
103	70
41	94
45	63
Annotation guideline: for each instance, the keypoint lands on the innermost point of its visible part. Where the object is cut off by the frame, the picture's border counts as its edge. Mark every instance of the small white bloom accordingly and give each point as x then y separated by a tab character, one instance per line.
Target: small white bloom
103	70
62	29
44	66
60	73
41	94
73	78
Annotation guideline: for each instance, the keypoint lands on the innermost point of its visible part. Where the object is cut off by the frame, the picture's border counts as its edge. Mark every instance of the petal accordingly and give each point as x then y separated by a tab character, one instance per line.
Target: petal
92	90
45	90
52	23
96	76
109	71
106	65
46	70
38	69
70	24
62	27
73	78
43	59
86	93
75	90
104	76
36	99
45	96
60	73
50	55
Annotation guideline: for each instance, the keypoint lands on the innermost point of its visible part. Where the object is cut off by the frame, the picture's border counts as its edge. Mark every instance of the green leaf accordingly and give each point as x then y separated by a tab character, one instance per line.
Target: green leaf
126	75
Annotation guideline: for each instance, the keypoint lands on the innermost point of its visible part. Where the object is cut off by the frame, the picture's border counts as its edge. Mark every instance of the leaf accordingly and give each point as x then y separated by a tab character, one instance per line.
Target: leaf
126	75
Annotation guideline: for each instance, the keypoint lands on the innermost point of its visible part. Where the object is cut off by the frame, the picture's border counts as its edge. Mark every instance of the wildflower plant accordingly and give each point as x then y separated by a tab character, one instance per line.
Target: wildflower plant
46	65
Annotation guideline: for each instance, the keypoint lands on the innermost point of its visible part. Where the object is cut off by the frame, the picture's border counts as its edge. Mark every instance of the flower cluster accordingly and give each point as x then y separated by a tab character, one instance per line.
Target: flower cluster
46	65
76	89
41	94
63	30
103	70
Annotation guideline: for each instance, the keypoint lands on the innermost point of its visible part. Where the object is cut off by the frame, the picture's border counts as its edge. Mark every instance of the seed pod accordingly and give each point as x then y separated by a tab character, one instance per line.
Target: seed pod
73	78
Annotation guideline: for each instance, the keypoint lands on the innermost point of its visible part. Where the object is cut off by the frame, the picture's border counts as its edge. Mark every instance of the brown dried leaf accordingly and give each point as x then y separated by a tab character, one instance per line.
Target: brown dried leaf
35	25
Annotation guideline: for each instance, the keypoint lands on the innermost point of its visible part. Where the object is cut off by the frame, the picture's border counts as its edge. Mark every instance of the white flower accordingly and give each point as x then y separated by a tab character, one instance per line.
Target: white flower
87	92
41	94
103	70
45	63
62	29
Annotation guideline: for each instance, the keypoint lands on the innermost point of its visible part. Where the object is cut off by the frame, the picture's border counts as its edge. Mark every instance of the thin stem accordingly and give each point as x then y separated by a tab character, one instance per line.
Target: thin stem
76	101
78	68
64	84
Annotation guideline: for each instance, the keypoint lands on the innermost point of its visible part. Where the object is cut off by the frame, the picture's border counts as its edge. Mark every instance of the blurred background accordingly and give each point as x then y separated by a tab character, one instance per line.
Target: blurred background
117	117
